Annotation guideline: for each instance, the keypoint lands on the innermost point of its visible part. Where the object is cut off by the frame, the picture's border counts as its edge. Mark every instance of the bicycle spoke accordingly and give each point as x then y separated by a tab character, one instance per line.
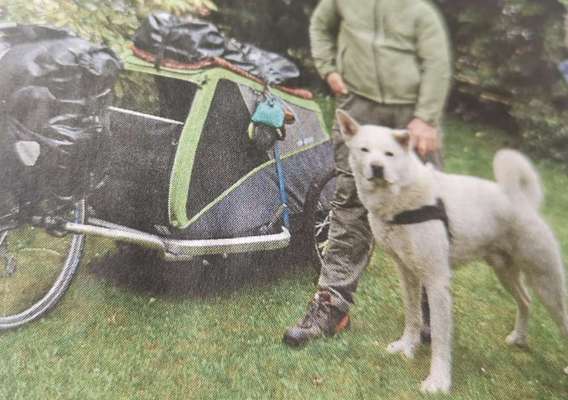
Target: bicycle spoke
321	232
6	258
36	268
38	265
321	227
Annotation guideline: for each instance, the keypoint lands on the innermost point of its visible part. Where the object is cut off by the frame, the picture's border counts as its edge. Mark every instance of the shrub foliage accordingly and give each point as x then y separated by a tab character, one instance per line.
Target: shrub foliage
506	57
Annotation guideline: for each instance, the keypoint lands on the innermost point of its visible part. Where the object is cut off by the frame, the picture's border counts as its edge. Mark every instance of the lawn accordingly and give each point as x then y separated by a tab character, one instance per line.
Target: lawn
138	331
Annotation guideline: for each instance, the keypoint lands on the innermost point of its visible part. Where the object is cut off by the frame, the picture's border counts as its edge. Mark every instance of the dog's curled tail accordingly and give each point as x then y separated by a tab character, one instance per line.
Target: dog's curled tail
516	175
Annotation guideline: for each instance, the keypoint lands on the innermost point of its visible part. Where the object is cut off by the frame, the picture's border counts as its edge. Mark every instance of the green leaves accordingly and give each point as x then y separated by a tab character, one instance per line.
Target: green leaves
112	22
507	53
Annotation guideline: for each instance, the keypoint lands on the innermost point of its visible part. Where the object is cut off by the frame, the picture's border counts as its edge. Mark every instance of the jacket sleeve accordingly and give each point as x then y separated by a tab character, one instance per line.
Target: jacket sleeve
324	26
435	60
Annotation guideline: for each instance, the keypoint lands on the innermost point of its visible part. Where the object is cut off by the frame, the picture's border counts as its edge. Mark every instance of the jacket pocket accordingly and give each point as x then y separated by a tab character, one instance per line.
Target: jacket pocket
400	75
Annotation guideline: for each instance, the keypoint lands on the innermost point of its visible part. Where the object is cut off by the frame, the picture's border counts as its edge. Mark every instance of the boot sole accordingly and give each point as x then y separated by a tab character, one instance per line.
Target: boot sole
343	325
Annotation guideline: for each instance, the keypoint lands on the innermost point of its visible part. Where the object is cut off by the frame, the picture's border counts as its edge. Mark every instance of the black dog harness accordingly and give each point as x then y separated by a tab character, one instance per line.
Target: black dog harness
424	214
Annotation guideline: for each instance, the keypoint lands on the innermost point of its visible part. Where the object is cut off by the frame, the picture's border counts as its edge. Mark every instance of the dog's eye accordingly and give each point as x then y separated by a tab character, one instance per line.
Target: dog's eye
389	154
364	149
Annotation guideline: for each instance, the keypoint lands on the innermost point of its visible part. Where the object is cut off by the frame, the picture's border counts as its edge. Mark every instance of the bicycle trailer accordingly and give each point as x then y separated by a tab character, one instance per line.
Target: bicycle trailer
203	152
184	167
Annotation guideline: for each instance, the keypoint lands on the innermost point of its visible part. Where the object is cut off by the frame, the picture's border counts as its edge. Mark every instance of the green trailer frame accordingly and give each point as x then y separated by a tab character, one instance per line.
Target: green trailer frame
207	81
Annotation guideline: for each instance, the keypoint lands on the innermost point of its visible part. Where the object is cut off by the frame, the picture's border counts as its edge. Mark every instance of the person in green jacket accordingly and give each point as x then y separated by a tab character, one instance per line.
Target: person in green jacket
388	63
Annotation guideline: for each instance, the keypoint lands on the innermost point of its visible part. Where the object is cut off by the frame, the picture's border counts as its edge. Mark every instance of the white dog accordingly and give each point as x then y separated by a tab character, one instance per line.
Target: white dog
429	221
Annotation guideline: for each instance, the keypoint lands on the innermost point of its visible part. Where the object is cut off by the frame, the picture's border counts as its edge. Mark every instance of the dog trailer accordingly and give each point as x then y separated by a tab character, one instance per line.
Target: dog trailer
189	169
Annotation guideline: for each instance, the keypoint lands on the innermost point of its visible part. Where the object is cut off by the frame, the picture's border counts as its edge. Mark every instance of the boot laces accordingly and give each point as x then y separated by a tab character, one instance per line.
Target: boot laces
319	310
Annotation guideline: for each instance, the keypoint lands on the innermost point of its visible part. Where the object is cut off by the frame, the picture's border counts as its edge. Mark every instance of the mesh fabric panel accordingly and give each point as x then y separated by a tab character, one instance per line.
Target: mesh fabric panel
176	97
143	150
224	153
256	200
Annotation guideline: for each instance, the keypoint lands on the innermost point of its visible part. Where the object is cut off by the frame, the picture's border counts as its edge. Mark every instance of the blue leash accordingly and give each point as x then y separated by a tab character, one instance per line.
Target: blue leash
270	112
282	184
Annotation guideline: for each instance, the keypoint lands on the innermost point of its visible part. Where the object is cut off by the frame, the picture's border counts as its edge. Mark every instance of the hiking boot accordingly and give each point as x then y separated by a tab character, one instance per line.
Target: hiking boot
322	319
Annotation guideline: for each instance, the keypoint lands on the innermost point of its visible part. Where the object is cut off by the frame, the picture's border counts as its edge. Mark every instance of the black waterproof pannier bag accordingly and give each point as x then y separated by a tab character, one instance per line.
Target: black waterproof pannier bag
54	90
190	40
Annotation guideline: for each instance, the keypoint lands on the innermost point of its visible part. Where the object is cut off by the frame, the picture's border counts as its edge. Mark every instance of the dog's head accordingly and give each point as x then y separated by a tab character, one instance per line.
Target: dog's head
380	155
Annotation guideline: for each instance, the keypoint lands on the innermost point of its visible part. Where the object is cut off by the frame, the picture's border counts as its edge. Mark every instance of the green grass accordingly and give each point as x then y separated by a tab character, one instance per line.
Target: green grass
144	335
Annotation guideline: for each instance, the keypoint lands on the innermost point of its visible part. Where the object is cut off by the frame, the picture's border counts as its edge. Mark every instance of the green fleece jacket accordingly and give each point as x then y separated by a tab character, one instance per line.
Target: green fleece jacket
390	51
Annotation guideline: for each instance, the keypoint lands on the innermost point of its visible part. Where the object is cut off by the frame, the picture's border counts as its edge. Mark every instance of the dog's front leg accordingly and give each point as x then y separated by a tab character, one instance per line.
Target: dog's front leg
437	283
411	292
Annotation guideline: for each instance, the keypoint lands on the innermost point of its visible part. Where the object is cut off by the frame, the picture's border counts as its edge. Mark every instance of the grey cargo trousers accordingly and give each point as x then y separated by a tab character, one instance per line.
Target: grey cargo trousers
350	238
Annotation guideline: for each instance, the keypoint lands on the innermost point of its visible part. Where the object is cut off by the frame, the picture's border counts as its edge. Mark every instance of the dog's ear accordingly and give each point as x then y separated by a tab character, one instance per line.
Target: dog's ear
403	138
348	126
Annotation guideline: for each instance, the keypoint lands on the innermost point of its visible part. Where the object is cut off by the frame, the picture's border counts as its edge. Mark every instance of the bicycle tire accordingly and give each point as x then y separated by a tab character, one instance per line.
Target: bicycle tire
315	214
60	285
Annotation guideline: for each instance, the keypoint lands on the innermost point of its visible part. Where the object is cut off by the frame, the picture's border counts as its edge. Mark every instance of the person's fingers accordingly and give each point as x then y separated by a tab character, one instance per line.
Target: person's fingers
433	145
422	146
427	147
436	144
424	140
433	141
413	143
337	84
334	87
342	86
339	88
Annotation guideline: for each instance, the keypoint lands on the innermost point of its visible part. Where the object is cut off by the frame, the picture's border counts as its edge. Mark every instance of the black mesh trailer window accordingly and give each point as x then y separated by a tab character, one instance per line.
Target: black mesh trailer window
156	95
145	130
142	155
225	153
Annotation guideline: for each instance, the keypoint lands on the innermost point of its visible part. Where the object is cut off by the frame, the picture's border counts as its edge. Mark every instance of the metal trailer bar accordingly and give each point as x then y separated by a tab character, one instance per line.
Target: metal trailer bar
181	250
147	116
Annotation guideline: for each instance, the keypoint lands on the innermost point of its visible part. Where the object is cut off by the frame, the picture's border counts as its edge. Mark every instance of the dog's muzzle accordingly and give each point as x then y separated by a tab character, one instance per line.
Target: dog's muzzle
377	171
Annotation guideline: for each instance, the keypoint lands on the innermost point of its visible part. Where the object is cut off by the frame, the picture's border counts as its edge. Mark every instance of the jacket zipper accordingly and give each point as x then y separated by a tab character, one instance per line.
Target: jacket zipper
379	35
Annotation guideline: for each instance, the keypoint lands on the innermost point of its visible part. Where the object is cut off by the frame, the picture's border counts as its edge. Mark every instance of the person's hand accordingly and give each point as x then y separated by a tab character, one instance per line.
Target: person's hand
336	84
423	137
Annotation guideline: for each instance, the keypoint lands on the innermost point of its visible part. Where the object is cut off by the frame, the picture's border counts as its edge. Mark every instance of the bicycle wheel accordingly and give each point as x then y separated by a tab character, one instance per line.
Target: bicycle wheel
36	269
318	217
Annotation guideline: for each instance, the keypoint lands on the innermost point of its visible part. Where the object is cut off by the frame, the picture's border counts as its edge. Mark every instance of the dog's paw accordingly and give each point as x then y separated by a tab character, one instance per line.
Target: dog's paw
405	346
436	384
515	339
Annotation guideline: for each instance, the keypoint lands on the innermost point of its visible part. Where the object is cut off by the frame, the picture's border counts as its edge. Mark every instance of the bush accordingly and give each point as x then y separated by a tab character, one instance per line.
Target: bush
506	57
112	22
